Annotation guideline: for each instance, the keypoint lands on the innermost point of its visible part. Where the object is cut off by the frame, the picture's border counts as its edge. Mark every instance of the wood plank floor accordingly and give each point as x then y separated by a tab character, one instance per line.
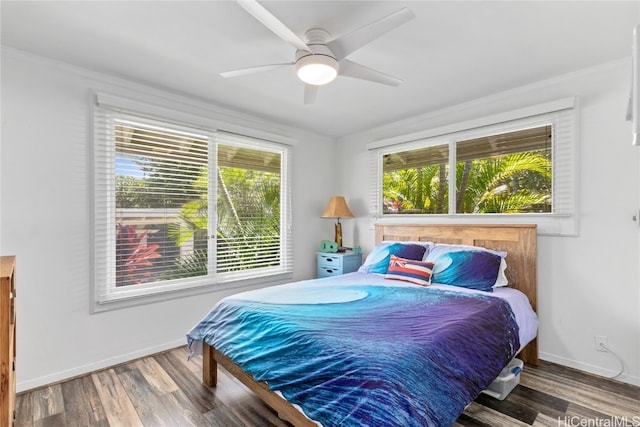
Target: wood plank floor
165	390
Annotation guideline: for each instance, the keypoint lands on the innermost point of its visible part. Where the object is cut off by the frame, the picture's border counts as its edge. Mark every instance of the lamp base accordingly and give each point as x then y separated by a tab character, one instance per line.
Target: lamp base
338	237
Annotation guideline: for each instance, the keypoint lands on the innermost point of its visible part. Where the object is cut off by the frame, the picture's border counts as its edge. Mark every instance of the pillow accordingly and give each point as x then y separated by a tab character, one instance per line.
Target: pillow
502	277
418	272
378	260
471	267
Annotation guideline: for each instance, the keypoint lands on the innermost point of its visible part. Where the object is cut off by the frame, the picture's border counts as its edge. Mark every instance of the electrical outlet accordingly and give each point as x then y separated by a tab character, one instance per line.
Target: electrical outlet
602	343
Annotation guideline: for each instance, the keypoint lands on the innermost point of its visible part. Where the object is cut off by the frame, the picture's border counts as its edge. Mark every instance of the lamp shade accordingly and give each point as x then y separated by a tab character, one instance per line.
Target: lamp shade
337	208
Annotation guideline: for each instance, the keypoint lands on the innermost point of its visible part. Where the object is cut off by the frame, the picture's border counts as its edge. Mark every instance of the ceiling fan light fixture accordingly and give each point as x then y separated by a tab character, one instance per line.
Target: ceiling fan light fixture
317	69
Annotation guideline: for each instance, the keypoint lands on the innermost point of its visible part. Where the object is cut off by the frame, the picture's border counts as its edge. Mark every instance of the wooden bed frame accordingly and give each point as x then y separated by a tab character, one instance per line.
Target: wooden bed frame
519	240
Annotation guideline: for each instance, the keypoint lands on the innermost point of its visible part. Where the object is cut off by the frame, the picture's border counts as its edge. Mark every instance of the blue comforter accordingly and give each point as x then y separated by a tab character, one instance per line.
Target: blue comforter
366	355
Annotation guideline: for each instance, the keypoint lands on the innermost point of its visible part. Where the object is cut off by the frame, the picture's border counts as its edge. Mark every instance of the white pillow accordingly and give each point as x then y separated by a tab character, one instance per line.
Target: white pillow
502	277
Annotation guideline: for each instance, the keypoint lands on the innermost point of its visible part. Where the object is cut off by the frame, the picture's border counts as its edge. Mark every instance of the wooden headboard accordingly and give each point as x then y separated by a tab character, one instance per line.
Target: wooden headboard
518	240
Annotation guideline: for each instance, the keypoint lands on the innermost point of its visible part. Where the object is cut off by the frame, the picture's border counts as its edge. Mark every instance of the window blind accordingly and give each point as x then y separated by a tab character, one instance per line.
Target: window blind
554	129
254	213
177	208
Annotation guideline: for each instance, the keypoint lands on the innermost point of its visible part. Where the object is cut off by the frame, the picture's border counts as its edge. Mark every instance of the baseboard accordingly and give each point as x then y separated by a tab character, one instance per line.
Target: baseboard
85	369
596	370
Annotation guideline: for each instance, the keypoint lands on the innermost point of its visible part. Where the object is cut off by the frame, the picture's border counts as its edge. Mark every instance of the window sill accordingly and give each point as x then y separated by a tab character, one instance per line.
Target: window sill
548	224
155	296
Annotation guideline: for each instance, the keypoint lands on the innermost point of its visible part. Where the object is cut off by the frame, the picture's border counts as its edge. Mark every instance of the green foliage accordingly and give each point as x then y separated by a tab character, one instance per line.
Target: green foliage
190	265
248	211
514	183
417	190
159	188
248	214
167	190
507	184
248	218
130	192
192	222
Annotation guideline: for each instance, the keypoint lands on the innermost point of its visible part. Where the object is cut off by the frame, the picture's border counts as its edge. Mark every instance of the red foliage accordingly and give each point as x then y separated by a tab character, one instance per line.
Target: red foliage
133	255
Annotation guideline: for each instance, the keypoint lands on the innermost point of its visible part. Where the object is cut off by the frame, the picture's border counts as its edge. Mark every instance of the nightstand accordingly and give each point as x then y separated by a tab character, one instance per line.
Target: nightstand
335	264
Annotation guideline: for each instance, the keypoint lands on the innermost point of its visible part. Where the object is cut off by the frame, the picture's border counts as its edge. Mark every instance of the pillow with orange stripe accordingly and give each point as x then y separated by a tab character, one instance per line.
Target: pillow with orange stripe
409	270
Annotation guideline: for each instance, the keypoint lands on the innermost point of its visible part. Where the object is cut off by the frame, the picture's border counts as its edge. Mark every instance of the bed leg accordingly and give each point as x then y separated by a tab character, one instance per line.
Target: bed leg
209	366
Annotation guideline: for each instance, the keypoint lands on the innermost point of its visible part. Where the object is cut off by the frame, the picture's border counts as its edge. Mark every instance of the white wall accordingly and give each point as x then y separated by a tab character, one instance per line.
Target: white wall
46	221
587	285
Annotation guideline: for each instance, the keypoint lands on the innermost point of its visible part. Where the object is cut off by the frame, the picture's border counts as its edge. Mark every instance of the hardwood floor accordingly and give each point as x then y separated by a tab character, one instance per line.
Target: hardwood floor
165	390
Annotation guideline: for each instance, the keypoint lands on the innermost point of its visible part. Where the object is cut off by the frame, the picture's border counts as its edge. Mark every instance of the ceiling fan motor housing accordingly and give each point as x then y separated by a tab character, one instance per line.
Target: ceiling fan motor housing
316	50
319	66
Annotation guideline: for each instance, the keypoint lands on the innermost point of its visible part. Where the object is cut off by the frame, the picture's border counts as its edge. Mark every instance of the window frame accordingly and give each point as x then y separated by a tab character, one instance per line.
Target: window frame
105	295
560	114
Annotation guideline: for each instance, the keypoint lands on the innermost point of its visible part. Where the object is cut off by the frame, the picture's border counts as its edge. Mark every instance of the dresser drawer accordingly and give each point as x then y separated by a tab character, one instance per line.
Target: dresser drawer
330	264
330	261
329	271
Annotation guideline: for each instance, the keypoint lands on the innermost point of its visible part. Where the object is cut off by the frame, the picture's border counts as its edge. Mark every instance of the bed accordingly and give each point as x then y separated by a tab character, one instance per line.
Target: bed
339	351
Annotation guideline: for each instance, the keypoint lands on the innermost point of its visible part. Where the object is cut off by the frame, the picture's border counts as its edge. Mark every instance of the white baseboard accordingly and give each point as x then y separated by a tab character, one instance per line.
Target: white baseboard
597	370
81	370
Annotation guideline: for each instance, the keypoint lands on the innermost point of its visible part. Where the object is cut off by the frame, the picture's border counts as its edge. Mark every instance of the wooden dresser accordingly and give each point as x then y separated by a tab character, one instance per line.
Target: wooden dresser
7	340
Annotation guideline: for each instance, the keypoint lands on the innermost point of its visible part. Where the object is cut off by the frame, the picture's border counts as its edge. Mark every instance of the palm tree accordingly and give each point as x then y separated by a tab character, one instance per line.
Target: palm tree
193	219
248	226
248	222
513	183
416	190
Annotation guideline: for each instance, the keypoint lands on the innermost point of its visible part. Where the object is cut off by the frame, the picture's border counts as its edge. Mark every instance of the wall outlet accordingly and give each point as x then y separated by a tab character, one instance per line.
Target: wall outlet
600	341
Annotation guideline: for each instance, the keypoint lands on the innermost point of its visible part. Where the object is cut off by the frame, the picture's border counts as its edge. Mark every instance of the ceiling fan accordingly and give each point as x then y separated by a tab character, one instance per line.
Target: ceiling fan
319	60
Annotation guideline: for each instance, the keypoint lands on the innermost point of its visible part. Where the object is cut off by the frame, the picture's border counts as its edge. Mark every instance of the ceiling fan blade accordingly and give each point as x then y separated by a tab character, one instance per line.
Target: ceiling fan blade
273	23
352	69
252	70
310	92
348	43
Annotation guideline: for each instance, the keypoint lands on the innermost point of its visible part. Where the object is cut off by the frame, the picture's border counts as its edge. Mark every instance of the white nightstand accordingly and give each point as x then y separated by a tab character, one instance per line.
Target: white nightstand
335	264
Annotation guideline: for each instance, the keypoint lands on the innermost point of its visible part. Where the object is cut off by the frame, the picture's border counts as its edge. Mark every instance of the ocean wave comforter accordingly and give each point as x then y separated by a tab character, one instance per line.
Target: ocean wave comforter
360	351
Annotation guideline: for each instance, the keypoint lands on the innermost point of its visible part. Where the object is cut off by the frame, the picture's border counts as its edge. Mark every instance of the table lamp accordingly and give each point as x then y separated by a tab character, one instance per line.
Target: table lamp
337	208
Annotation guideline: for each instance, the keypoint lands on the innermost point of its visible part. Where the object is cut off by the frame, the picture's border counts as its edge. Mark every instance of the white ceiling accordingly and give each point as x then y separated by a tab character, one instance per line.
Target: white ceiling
453	51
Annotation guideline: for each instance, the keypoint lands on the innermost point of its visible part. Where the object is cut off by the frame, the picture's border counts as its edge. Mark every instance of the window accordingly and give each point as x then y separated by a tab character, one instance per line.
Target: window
518	170
504	173
182	209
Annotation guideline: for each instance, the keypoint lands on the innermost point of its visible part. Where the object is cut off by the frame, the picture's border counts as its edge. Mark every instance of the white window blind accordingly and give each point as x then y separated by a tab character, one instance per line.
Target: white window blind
253	223
179	208
525	132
